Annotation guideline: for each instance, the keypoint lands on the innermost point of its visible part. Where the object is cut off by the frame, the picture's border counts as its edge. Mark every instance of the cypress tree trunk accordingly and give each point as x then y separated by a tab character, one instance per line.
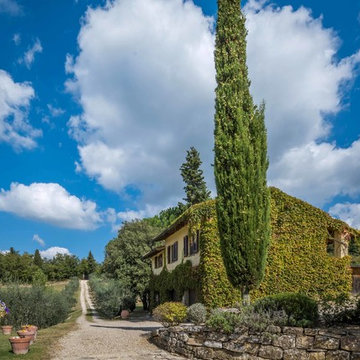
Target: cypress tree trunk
243	206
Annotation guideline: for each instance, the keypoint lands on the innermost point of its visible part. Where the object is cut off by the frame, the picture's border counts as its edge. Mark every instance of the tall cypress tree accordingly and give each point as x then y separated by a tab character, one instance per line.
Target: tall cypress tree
37	259
195	188
240	156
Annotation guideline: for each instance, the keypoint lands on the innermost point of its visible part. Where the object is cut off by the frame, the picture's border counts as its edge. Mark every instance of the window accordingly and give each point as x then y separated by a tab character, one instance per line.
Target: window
169	254
174	251
158	261
194	244
186	246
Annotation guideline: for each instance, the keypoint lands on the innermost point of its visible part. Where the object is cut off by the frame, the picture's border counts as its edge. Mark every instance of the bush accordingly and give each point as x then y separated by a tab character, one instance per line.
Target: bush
170	313
342	310
38	305
110	296
246	318
299	309
196	313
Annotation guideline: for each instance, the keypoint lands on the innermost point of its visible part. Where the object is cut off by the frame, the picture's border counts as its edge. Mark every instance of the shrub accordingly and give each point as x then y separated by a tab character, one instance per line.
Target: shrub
247	318
38	305
110	296
170	313
299	309
196	313
342	310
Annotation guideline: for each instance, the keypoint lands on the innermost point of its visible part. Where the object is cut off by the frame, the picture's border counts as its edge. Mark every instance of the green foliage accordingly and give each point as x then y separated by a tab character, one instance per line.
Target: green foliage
38	261
170	313
110	296
243	203
38	305
299	309
183	277
61	267
297	259
92	264
197	313
39	278
167	216
246	318
195	186
123	255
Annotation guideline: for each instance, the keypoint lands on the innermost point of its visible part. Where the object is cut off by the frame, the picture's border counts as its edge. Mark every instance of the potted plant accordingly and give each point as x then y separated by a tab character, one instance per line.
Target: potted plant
19	345
27	333
4	311
31	328
124	314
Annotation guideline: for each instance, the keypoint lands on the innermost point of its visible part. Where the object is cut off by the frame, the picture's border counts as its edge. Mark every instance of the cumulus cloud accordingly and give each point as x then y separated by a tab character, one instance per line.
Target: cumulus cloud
53	251
348	212
14	103
145	78
10	7
29	56
39	240
50	203
4	252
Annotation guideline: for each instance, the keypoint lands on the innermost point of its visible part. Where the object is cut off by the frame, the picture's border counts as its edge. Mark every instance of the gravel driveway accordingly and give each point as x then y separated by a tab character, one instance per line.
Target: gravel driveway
102	339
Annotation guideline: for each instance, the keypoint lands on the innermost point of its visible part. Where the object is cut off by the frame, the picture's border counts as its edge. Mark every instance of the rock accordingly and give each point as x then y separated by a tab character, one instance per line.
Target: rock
271	352
194	342
308	331
355	356
337	355
304	342
295	354
213	344
203	353
317	355
250	348
350	343
293	330
325	342
273	329
285	341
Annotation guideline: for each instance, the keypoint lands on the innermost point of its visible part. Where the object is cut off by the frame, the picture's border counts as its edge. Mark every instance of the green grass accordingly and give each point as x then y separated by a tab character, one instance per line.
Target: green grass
46	339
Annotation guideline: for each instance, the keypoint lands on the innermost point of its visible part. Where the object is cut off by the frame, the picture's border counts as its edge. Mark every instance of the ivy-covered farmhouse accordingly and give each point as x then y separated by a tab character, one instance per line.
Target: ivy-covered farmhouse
308	253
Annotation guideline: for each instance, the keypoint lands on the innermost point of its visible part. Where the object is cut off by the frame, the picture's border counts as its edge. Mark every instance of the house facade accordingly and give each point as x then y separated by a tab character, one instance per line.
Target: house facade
309	253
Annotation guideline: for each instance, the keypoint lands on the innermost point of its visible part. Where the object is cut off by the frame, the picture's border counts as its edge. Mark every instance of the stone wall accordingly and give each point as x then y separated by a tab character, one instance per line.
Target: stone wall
278	343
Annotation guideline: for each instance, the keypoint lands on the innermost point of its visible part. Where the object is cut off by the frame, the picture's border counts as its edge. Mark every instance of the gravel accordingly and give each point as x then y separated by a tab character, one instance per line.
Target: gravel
103	339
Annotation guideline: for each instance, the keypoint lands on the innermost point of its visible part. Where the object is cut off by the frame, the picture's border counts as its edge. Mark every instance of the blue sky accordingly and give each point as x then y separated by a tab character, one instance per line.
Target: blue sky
99	102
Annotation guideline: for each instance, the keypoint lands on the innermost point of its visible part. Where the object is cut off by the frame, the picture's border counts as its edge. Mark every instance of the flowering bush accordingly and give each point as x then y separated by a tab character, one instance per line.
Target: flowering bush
170	313
3	309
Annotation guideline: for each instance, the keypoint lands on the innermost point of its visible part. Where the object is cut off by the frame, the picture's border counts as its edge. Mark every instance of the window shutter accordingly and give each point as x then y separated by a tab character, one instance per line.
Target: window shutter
186	246
169	254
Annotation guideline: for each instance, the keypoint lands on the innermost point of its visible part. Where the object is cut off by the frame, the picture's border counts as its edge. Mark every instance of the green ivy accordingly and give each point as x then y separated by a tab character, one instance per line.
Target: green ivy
297	259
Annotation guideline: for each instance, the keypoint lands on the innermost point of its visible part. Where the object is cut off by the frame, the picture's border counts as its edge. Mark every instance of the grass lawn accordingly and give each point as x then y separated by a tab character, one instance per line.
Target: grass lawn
46	338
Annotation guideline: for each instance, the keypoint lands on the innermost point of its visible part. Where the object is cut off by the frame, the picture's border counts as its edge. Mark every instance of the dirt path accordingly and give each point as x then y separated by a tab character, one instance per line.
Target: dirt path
102	339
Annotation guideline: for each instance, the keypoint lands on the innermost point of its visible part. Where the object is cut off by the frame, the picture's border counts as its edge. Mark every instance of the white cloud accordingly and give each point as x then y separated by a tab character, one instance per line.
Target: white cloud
4	252
29	56
17	39
53	251
50	203
145	79
38	239
10	7
347	212
14	103
54	111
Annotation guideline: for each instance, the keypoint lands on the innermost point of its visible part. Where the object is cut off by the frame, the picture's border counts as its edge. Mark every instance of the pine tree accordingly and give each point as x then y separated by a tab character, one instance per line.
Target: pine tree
38	261
240	156
195	188
91	263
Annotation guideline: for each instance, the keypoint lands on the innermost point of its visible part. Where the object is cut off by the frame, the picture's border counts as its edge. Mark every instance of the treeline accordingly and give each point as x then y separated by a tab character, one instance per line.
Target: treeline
32	268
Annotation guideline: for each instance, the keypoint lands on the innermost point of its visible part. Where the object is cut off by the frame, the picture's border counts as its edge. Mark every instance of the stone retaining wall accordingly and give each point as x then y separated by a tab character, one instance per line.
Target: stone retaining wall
278	343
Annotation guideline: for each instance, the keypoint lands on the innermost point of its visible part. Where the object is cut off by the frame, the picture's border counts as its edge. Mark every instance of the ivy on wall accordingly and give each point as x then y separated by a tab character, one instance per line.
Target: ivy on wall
297	259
